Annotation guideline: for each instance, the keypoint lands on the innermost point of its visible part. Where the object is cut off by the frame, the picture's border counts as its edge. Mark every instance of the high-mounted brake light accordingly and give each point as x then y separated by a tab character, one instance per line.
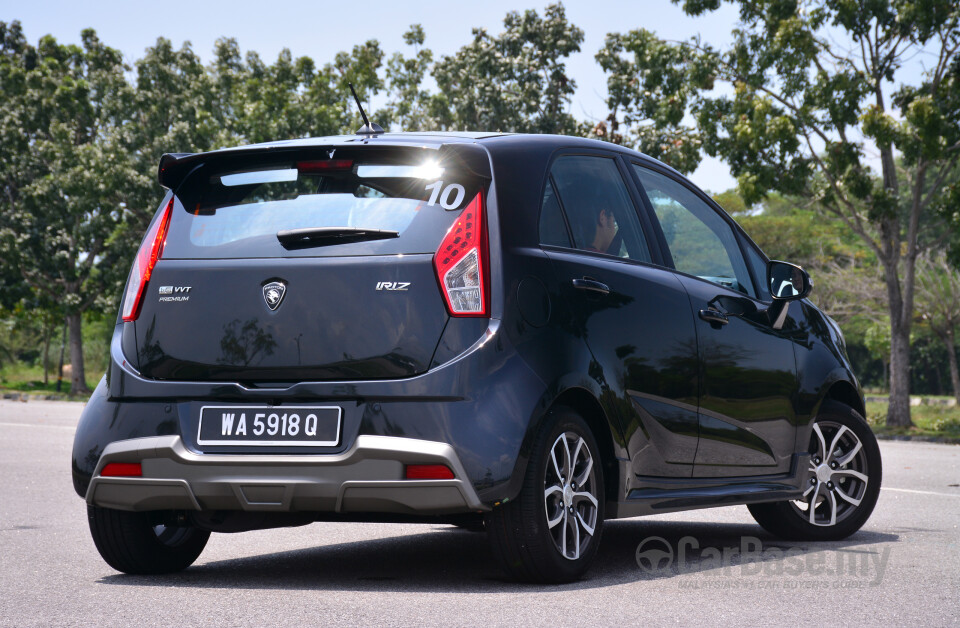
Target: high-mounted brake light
324	166
150	251
122	470
462	263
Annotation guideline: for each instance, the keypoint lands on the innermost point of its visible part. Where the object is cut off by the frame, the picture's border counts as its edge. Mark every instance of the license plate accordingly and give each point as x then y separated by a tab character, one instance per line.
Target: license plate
294	426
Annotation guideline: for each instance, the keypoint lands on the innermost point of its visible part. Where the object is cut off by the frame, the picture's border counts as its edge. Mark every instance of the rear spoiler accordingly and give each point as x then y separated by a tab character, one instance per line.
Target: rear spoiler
174	167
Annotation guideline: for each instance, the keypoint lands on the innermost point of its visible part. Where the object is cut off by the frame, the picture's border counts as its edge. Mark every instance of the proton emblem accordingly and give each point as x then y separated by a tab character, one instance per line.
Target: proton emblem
273	294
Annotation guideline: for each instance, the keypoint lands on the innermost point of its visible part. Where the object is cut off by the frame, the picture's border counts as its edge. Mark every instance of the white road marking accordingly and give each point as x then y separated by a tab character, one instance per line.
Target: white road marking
909	490
56	427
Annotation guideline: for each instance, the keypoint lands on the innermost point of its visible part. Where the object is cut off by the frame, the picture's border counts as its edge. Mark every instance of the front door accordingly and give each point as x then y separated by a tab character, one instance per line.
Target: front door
748	377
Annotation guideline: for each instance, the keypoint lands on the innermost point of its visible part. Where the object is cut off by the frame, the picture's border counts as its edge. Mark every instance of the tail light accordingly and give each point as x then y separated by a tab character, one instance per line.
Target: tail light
150	251
462	263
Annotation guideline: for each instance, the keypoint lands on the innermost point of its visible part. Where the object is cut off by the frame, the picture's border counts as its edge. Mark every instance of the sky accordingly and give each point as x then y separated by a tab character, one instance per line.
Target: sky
319	29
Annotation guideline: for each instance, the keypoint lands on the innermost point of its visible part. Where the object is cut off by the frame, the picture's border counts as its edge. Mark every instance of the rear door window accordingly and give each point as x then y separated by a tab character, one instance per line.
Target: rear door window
378	204
597	206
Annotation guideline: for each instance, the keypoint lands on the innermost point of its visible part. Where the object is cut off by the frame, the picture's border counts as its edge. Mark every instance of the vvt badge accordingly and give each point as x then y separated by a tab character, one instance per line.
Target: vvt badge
273	294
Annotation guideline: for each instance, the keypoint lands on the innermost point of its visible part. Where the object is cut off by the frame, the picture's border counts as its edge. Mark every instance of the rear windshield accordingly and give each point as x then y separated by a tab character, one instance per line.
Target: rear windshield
235	208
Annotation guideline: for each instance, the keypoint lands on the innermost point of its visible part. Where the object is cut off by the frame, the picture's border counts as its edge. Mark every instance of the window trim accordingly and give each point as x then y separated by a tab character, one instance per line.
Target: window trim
746	243
652	244
563	210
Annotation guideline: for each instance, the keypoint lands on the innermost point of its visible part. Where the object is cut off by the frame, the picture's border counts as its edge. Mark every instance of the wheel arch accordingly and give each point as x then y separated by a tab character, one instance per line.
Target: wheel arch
587	406
585	402
846	393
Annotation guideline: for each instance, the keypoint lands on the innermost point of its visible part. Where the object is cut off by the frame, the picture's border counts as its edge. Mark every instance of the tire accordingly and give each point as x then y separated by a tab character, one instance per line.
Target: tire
845	495
133	543
526	545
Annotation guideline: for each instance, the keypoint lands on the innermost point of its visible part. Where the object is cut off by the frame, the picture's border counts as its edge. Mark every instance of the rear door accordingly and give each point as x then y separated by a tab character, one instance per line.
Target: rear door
748	377
306	265
634	316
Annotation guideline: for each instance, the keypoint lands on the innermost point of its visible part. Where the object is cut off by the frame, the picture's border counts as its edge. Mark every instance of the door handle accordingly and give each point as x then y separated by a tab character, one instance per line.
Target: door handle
714	317
592	285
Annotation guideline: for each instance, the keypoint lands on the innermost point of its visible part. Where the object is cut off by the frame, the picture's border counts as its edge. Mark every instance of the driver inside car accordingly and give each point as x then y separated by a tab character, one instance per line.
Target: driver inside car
605	231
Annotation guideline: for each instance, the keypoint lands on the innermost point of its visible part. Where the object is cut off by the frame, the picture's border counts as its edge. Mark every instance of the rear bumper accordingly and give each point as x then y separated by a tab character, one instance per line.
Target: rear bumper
477	401
367	478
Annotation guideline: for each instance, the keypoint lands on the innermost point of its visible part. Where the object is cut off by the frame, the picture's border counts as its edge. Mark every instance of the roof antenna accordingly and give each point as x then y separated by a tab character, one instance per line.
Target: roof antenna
367	128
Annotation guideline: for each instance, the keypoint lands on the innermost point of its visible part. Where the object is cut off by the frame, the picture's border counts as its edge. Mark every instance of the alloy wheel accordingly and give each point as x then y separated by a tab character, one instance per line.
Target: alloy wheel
570	495
839	475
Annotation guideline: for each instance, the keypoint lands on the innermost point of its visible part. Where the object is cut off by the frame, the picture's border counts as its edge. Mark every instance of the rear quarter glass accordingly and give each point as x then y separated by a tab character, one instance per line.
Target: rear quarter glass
235	210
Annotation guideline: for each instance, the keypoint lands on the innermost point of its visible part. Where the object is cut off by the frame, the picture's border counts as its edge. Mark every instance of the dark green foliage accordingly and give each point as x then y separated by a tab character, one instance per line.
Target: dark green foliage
516	81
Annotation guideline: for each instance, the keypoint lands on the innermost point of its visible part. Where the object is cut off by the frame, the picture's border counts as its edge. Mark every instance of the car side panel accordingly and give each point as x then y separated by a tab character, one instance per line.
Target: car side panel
822	363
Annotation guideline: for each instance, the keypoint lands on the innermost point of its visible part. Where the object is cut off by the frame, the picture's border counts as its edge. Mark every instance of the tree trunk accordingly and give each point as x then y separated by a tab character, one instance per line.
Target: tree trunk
78	380
900	303
952	360
47	332
898	413
63	345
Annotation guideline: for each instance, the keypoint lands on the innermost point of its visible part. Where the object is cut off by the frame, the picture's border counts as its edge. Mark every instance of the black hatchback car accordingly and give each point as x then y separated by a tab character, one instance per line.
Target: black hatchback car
528	334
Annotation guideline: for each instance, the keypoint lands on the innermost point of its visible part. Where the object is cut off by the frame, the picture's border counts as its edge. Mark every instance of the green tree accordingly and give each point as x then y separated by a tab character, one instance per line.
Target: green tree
793	105
516	81
732	203
938	303
61	170
409	105
648	91
293	98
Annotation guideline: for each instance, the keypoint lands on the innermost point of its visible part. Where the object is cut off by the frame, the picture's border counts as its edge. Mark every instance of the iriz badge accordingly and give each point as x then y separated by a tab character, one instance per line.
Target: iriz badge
273	294
392	285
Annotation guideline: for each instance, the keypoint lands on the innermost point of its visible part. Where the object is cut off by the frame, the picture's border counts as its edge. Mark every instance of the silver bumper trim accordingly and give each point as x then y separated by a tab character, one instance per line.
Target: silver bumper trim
367	478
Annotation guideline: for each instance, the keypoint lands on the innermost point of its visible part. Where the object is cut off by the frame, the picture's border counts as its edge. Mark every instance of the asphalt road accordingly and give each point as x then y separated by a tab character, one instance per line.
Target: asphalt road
903	568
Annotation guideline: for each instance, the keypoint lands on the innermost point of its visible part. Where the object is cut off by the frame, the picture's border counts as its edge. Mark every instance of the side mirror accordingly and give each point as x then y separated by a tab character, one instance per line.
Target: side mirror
788	282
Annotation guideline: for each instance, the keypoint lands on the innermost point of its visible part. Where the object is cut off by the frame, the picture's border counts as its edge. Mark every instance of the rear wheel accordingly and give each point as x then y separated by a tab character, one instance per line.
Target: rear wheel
550	533
844	484
136	543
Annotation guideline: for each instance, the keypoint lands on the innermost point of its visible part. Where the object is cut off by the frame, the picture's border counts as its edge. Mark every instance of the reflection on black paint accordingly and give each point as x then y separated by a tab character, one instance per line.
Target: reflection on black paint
150	349
714	429
748	386
243	344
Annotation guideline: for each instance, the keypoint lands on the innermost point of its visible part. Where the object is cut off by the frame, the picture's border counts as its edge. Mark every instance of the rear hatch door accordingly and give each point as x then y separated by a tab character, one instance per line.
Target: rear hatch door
304	265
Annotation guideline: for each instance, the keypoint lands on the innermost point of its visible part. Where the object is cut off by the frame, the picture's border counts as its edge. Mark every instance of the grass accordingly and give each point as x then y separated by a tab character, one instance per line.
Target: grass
18	377
928	421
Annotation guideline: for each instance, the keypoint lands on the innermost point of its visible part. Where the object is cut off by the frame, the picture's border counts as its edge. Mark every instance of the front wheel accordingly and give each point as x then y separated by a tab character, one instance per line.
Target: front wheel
844	484
550	533
135	543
